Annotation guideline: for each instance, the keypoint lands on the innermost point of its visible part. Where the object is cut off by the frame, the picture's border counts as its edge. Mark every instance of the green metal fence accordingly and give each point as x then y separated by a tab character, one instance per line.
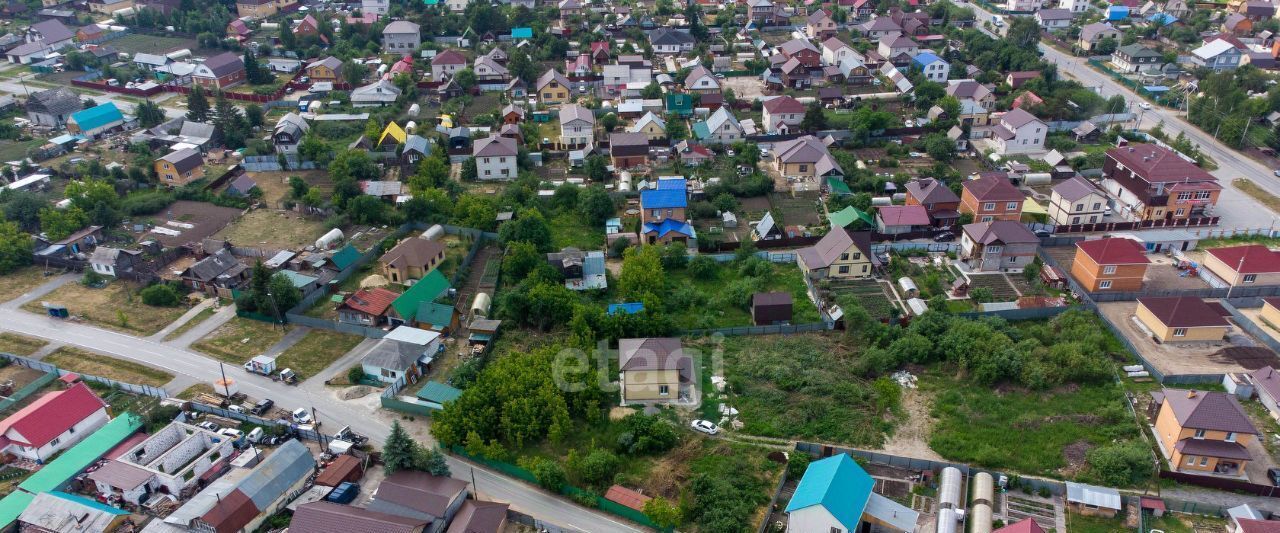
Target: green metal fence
396	404
28	390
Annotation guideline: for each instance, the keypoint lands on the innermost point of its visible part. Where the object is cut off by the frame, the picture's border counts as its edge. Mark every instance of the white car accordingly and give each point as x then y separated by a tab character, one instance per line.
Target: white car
1145	105
301	416
705	426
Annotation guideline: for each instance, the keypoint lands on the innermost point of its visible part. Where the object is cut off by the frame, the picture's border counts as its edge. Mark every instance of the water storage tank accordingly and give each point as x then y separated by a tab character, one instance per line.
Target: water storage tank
947	521
949	488
1037	178
414	110
330	239
480	308
433	232
980	519
983	489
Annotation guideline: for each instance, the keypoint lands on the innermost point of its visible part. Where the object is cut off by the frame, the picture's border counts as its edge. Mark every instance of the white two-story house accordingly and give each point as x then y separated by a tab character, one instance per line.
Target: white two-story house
495	158
577	126
1019	132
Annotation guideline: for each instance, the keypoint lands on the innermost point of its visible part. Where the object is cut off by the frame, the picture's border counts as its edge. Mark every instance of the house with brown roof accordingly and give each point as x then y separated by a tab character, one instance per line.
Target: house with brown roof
1017	78
447	63
577	126
628	150
329	516
1250	264
411	259
496	158
938	200
998	245
1019	132
805	156
552	87
1115	264
1155	183
655	370
1077	201
1265	380
1202	432
840	254
976	101
896	219
366	307
1092	34
420	495
180	167
819	25
990	198
782	114
327	69
1182	319
220	71
477	516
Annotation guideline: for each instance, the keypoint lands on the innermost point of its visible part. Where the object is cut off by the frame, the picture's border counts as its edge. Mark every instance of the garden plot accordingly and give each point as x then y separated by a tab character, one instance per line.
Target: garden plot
277	230
998	284
871	294
204	219
799	209
1018	508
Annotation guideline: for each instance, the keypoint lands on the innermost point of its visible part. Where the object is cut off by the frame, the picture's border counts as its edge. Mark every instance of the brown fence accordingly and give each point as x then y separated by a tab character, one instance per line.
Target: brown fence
1222	484
790	242
151	91
1145	224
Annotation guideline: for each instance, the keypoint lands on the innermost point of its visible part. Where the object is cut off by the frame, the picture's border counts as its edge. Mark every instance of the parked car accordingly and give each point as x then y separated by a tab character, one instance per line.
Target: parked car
238	409
231	433
1273	475
1145	105
944	237
302	416
263	406
705	426
208	425
1043	233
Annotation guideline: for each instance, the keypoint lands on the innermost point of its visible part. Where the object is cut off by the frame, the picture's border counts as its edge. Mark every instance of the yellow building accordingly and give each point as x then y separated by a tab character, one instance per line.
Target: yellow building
1203	432
1251	264
1271	312
553	88
651	126
655	370
840	254
412	259
180	167
260	9
1183	319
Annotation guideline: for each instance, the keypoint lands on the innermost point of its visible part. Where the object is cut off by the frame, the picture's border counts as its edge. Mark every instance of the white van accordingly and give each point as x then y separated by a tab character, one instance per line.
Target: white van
255	436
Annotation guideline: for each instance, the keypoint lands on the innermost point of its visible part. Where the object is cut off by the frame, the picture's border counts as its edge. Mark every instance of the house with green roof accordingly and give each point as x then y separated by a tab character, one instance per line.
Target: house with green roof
303	282
680	103
404	309
434	394
835	495
345	257
844	218
437	316
95	121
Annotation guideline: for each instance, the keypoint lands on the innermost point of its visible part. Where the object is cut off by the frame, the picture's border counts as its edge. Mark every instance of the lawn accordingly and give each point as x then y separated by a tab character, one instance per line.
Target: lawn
1258	193
1077	523
20	344
203	315
455	253
151	44
704	309
802	387
869	293
316	351
17	150
275	185
239	340
569	229
1054	428
266	228
21	281
116	306
85	362
1184	523
1237	240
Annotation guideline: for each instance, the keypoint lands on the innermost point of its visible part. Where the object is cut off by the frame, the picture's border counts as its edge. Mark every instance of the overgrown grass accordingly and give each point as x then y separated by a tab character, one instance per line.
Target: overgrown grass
85	362
706	312
116	306
203	315
1257	193
570	229
20	344
239	340
1077	523
21	281
316	351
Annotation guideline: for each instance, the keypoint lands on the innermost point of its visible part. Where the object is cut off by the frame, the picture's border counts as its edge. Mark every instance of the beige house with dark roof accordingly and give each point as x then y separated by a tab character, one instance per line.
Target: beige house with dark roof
1077	201
840	254
656	370
412	259
807	157
1182	319
1203	432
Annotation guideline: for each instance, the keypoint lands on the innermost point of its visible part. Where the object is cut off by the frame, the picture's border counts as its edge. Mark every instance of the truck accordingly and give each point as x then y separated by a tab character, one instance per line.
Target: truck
345	434
261	365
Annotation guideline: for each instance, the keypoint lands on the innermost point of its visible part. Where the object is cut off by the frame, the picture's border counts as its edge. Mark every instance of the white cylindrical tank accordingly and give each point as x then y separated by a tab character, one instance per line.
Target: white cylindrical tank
983	488
410	126
480	307
414	110
624	186
1037	178
949	488
947	521
329	239
980	518
180	54
433	232
625	177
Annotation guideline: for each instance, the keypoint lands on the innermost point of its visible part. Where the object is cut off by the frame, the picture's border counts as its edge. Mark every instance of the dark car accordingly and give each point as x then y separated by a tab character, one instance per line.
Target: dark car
1043	233
1273	474
263	406
944	237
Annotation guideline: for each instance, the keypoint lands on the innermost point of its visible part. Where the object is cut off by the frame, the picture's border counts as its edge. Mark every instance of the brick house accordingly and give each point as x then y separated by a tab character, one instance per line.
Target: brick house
1115	264
991	198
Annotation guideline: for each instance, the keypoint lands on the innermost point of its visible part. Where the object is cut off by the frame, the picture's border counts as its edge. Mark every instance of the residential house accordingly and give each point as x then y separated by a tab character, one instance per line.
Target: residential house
600	52
491	75
651	125
1021	6
1017	78
719	128
380	93
569	8
819	25
805	157
998	245
1026	99
840	254
180	167
782	114
97	120
879	27
477	516
52	423
413	306
216	274
1156	183
897	219
976	101
1089	500
288	133
692	154
765	13
419	495
446	64
671	41
663	213
220	72
938	200
553	88
328	516
577	126
392	360
52	107
861	9
169	461
496	158
82	241
679	104
835	495
895	45
1249	264
701	81
1110	264
1182	319
933	68
260	9
327	69
109	7
1258	10
1135	58
991	198
1237	24
1218	54
1019	132
401	37
512	114
308	26
1054	19
771	308
411	259
378	8
366	307
1026	525
1265	380
655	370
628	150
1074	6
1077	201
152	62
112	261
236	29
581	270
242	502
1092	34
851	63
1203	432
241	186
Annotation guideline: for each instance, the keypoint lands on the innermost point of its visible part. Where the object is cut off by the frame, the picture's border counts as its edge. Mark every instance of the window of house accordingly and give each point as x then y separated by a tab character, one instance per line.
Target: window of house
836	530
844	269
1191	461
987	219
989	206
664	390
1204	461
1109	269
1011	206
1250	278
1231	437
55	442
804	168
1097	205
1182	332
1079	207
1105	284
844	257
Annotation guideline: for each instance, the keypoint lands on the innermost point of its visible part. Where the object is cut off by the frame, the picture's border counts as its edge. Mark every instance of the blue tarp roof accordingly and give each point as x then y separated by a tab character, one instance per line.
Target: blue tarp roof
1155	88
1163	19
663	198
839	485
926	58
630	308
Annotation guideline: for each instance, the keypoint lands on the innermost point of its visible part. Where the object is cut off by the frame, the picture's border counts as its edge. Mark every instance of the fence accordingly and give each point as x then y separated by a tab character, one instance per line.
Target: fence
773	502
390	400
49	369
309	434
1131	84
1021	314
760	330
941	247
772	257
721	246
268	163
1248	325
1220	483
517	517
1130	226
28	390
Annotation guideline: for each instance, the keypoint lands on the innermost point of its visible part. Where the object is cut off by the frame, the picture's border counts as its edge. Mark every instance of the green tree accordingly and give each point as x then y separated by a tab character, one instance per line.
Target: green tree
814	119
431	173
549	474
254	72
431	461
1024	33
521	259
400	451
529	226
609	122
466	78
281	295
197	105
59	223
596	168
255	115
469	171
1120	465
676	128
642	276
939	147
353	73
662	512
160	295
149	114
595	204
16	247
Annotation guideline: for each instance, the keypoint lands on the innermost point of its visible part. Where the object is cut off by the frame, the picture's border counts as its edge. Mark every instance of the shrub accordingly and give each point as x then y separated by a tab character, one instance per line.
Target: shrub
92	279
549	474
597	466
646	434
161	295
797	464
1119	465
703	267
355	374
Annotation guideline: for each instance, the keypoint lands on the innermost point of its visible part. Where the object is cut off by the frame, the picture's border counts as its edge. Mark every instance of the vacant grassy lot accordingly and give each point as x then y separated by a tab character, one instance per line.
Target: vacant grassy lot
275	185
1077	523
20	344
703	309
569	229
195	390
116	306
203	315
1054	428
19	282
151	44
315	352
802	387
17	150
239	340
86	362
266	228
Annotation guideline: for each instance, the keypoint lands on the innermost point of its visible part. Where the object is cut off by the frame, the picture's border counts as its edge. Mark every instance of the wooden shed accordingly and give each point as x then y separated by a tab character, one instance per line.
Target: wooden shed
770	308
344	468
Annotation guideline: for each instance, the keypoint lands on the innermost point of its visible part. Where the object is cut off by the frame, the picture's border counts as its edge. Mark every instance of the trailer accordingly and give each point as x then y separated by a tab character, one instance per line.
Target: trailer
262	365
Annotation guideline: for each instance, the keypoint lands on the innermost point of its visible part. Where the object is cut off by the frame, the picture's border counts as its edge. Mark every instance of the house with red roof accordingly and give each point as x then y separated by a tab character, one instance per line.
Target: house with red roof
366	307
1251	264
1027	525
782	114
895	219
991	198
52	423
446	64
1156	183
942	204
1114	264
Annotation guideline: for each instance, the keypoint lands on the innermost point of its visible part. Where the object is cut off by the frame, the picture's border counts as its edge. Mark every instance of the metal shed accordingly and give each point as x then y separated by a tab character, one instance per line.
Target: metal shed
909	288
480	306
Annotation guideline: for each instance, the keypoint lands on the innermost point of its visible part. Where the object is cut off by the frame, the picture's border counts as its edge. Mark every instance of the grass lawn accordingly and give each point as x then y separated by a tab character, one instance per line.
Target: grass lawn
265	228
1077	523
316	351
203	315
1238	240
20	344
21	281
455	253
1054	428
152	44
802	386
569	229
239	340
116	306
195	390
1258	193
1184	523
706	312
85	362
17	150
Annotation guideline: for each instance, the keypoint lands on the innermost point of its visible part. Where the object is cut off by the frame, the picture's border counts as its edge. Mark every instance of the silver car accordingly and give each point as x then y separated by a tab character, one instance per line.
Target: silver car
705	426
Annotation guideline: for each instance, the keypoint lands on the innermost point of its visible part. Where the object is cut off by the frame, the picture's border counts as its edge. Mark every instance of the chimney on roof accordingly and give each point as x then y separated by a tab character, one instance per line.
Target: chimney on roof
1131	149
1191	393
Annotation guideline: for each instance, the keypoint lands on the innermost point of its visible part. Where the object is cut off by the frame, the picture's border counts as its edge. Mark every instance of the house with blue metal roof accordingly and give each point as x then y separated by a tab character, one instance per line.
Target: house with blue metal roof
933	67
95	121
521	33
663	211
835	494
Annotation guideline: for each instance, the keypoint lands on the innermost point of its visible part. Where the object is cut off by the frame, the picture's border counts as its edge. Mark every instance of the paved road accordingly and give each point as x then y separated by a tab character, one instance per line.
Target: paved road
124	105
332	413
1236	209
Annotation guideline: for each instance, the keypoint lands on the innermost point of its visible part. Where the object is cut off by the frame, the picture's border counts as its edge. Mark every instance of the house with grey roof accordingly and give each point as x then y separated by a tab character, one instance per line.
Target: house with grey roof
216	274
577	126
1019	132
288	133
998	245
377	94
220	71
719	128
1135	58
390	360
671	41
805	156
840	254
109	261
496	158
1077	201
51	108
242	499
1092	34
401	37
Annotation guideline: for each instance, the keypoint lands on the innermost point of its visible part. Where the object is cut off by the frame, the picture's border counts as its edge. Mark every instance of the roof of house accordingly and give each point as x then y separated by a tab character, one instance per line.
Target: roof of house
903	215
1026	525
373	301
962	89
332	63
479	517
401	26
495	146
1054	14
435	314
275	474
184	160
926	58
1208	410
771	298
1252	525
392	355
436	392
1157	164
328	516
59	101
1214	49
898	40
1248	258
654	353
663	199
649	118
993	189
412	252
1090	30
378	91
834	243
670	37
52	31
224	64
419	493
572	112
1114	251
839	485
783	104
1266	379
808	149
1018	118
697	73
426	289
1213	448
97	116
449	57
1003	231
549	76
1184	311
1076	188
931	191
625	496
1136	50
835	44
51	415
1097	496
59	511
880	24
341	469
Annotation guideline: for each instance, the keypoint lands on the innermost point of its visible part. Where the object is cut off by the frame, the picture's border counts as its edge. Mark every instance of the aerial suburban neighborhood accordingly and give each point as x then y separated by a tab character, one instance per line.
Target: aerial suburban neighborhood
455	266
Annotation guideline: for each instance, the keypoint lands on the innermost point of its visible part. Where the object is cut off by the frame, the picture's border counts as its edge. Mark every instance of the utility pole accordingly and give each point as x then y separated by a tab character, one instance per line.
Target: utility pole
226	387
1232	284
